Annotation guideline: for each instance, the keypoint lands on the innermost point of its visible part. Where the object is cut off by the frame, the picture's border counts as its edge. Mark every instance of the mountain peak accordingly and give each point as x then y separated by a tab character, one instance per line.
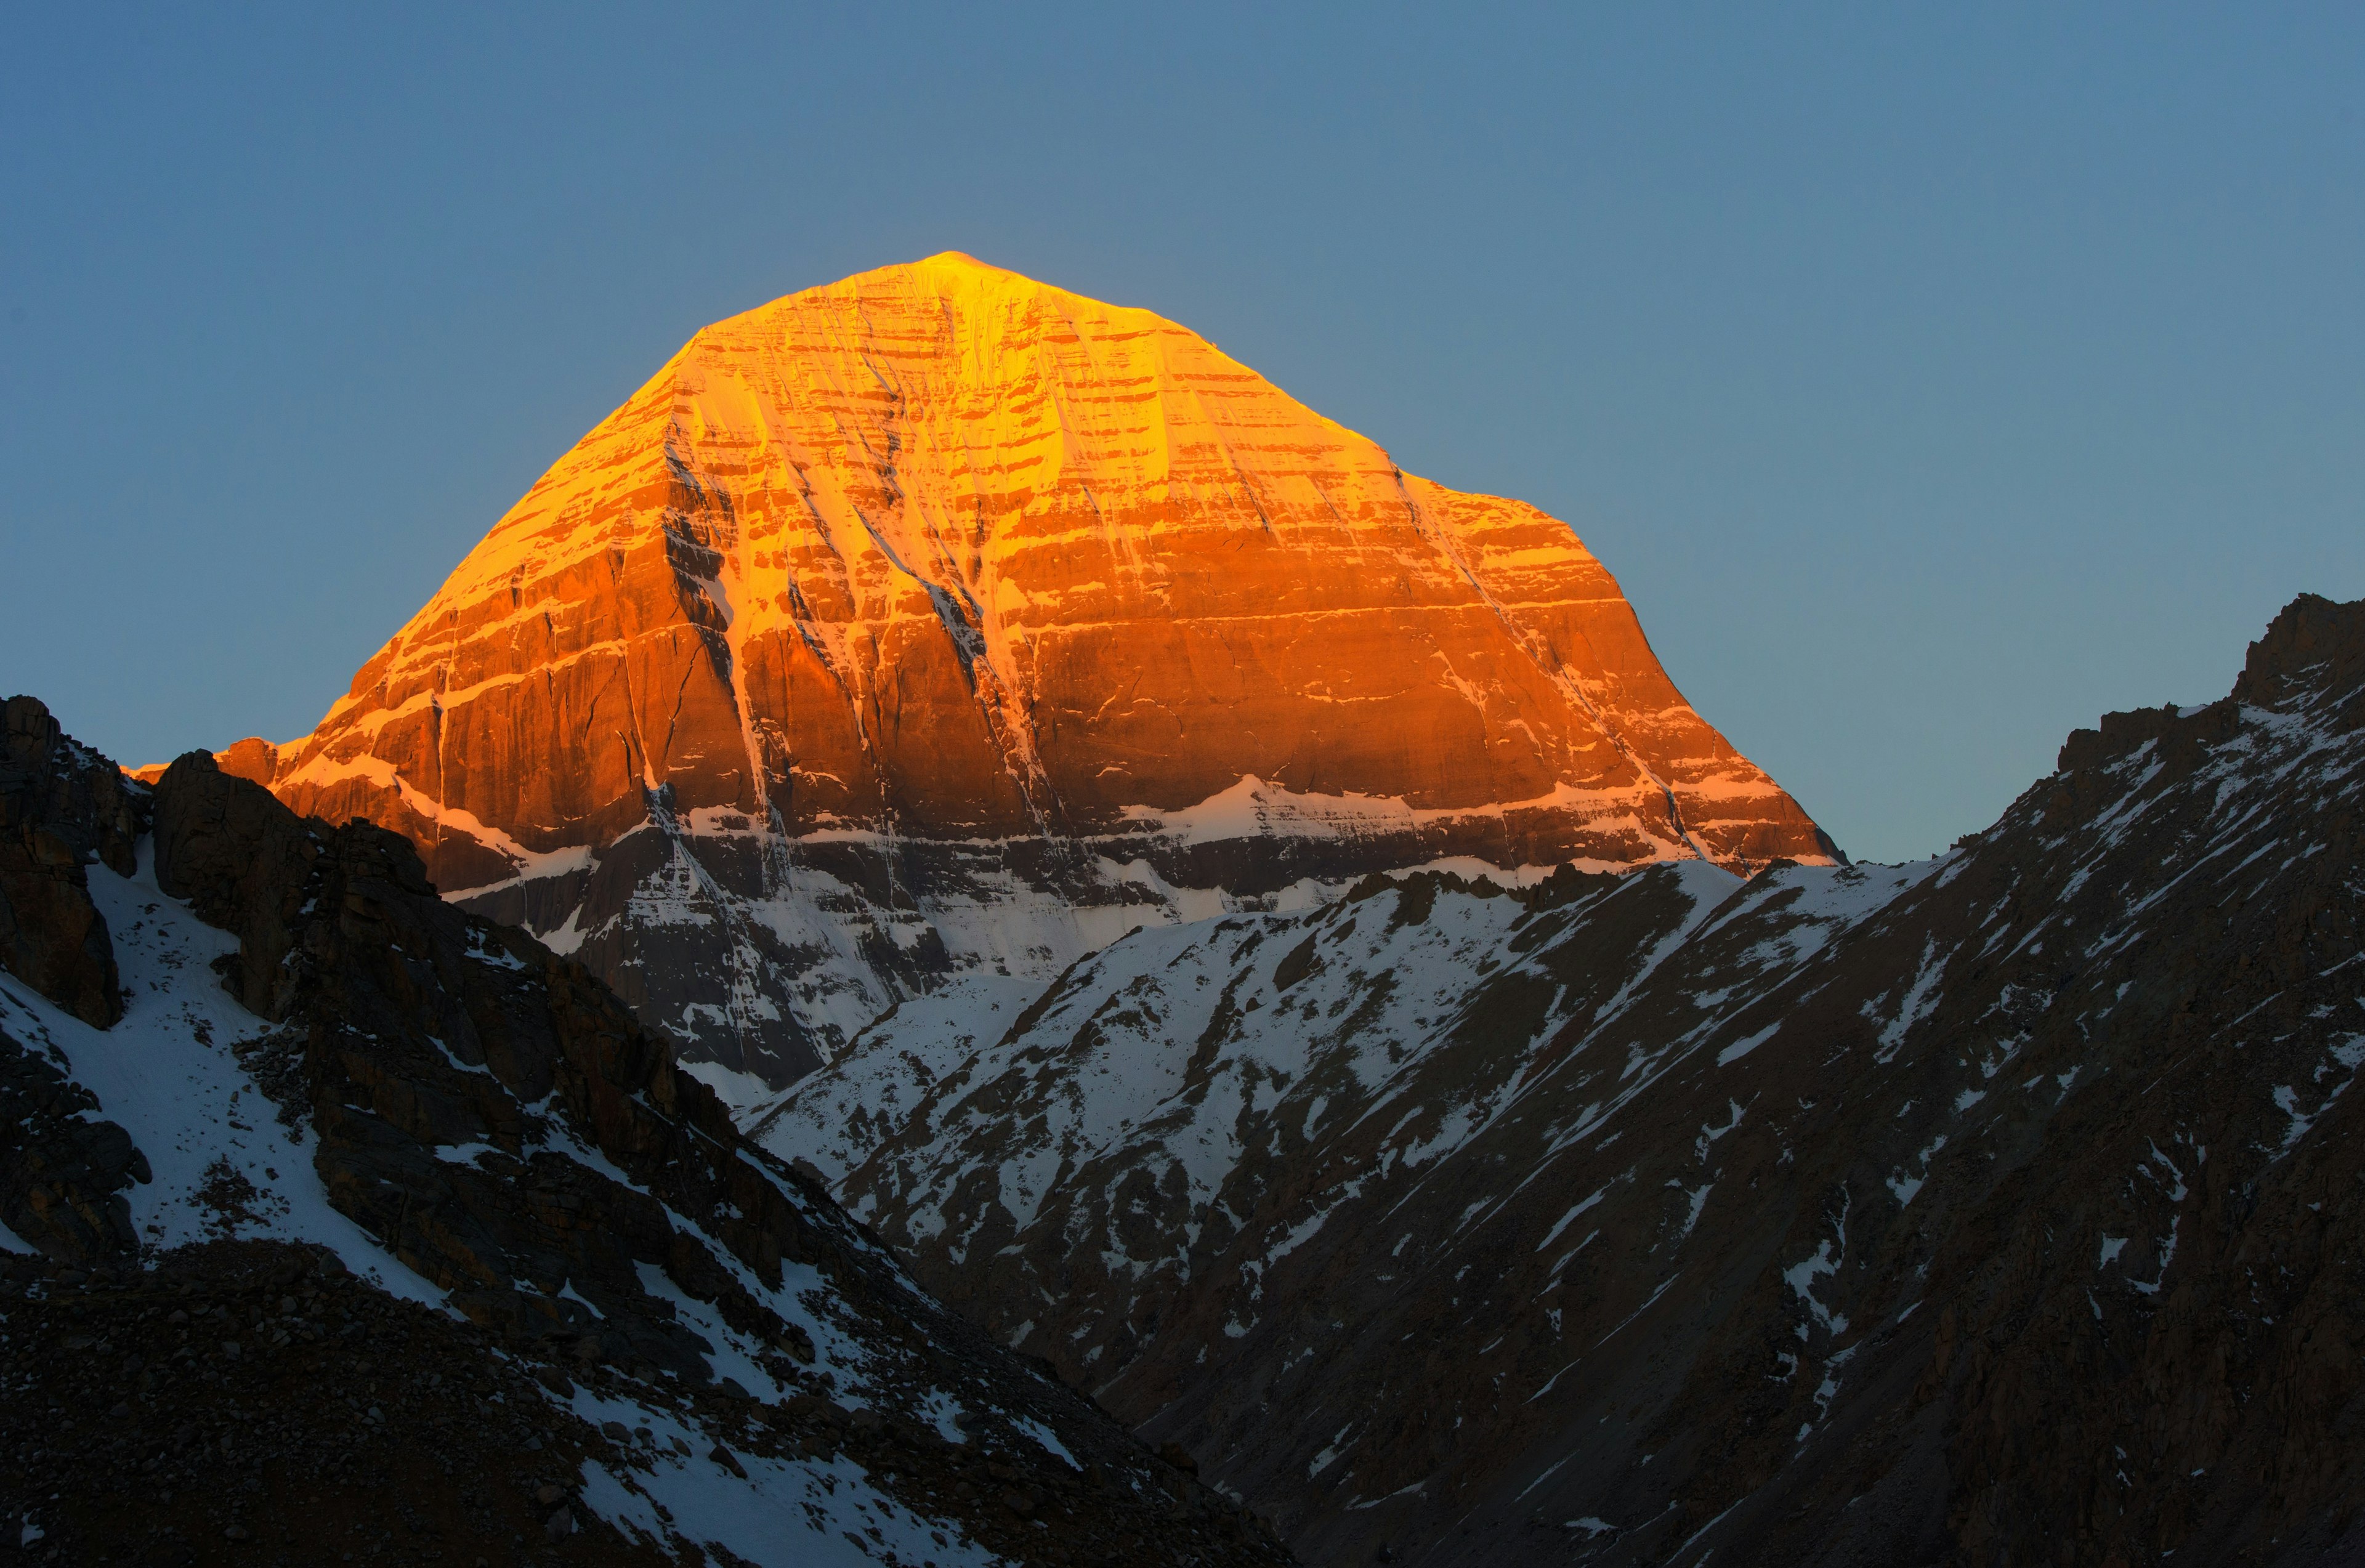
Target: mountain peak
954	277
958	261
946	270
980	591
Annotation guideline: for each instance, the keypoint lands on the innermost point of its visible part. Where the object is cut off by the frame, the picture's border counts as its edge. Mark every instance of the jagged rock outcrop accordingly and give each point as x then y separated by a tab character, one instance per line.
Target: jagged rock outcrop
63	1169
2004	1207
941	621
62	806
321	1053
416	1027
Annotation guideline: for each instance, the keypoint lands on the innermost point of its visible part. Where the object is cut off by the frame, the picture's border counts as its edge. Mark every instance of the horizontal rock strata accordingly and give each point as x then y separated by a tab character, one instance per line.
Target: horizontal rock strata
940	619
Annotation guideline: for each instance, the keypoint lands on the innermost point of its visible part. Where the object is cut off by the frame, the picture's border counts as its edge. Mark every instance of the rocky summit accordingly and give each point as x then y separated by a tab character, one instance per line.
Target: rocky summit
940	623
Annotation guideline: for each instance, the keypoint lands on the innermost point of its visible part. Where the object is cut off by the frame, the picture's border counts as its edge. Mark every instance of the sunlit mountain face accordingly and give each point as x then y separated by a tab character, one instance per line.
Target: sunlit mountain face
935	628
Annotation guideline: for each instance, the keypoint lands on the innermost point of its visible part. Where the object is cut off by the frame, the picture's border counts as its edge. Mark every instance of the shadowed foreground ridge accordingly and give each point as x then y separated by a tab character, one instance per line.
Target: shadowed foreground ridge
367	1215
2002	1208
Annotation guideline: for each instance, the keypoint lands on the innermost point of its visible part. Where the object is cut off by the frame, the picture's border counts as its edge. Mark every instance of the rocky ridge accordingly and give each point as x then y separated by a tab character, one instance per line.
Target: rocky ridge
938	624
61	807
1996	1208
451	1169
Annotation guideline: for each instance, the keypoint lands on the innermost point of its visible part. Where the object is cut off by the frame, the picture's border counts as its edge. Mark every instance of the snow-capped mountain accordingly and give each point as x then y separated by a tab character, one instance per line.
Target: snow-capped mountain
2004	1206
940	623
373	1098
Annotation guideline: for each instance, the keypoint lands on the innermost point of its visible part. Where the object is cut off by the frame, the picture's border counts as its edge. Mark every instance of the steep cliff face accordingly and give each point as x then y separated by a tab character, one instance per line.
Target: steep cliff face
1999	1208
62	807
941	621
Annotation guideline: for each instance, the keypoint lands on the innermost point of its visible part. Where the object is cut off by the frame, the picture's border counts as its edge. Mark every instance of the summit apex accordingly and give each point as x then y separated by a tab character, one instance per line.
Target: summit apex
959	259
943	265
948	274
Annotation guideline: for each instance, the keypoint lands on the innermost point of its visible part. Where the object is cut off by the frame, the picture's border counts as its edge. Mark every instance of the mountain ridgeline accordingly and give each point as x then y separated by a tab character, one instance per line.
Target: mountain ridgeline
2004	1207
331	1148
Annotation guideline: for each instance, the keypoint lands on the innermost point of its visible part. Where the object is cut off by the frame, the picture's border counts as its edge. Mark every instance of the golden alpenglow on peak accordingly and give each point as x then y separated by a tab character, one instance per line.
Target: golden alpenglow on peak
940	621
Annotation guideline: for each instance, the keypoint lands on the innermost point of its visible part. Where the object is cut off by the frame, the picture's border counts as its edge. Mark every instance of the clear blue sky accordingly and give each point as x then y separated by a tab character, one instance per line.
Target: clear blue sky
1934	378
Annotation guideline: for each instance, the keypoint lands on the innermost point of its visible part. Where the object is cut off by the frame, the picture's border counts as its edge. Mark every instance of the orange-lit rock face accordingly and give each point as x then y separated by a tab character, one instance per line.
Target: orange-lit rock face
939	618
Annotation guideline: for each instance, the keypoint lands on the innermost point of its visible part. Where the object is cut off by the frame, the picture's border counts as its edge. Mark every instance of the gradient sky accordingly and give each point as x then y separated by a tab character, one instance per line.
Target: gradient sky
1933	378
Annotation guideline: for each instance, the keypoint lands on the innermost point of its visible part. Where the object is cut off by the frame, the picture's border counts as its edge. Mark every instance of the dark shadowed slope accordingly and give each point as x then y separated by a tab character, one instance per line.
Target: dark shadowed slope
366	1209
2001	1206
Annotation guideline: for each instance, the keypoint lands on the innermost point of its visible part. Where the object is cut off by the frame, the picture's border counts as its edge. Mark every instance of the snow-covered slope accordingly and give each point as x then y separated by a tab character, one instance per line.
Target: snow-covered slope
2003	1202
220	1163
223	1166
1181	1110
316	1051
